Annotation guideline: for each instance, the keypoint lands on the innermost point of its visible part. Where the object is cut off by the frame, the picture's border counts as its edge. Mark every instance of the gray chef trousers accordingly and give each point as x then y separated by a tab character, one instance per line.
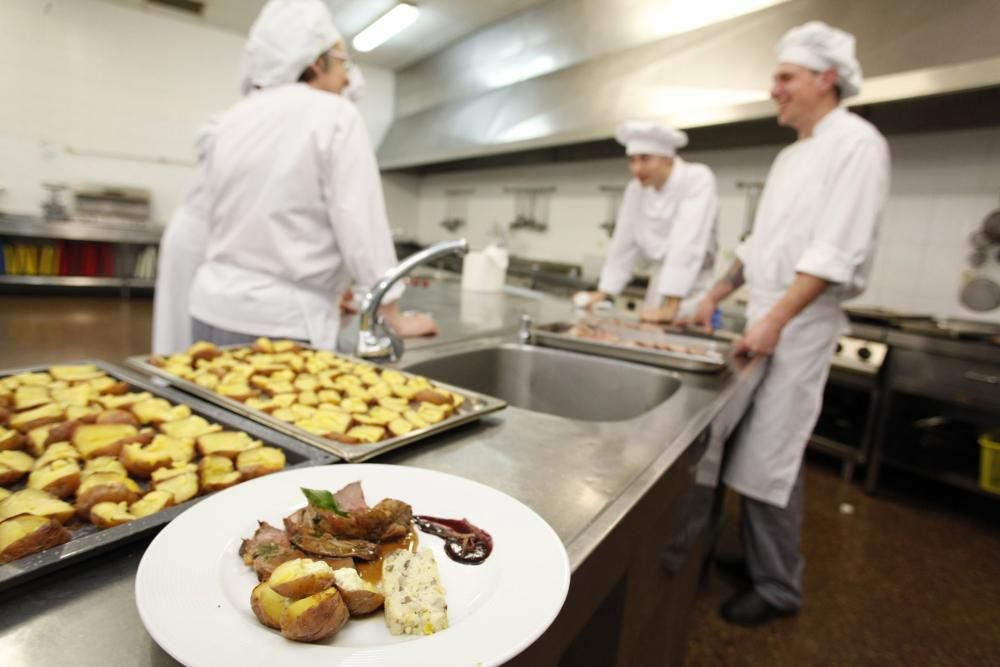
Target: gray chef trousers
770	537
203	331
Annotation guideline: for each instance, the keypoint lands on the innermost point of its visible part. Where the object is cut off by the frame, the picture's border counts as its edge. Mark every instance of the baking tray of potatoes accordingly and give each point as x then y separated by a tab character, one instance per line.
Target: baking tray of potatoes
343	405
631	340
92	457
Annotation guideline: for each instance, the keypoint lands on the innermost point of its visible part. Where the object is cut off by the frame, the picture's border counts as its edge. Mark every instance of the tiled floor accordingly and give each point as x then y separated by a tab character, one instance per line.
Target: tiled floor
911	577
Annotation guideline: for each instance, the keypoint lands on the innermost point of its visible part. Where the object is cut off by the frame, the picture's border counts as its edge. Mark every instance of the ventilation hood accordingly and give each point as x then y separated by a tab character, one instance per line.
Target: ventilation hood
552	76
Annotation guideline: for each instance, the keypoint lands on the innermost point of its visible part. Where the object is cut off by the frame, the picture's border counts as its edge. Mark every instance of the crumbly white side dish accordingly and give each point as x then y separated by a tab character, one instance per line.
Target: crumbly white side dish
414	597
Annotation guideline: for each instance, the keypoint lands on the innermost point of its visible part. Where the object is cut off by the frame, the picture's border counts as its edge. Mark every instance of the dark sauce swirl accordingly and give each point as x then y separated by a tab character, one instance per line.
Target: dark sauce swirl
463	542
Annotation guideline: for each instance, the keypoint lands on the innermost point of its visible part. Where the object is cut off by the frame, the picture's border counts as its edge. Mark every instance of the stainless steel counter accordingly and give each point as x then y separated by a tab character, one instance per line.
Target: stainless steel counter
584	478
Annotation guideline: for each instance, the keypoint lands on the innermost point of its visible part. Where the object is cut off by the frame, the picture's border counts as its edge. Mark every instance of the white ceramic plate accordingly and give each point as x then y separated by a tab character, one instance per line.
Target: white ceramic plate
193	590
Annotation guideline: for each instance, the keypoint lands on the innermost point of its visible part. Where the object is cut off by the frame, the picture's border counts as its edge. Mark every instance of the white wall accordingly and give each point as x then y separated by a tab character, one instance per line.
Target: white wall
943	186
97	92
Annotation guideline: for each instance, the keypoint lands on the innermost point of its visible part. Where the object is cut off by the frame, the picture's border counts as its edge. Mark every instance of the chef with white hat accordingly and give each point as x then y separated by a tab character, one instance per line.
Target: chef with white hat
291	195
668	217
811	247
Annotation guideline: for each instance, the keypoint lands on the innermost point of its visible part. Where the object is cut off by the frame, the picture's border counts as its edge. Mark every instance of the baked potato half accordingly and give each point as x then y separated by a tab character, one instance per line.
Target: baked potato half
260	461
26	534
301	578
37	502
60	477
360	596
267	605
315	617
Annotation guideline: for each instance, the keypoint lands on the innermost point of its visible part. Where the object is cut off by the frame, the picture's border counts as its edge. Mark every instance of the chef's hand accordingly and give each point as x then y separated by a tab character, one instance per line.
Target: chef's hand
415	325
760	339
588	299
702	316
408	325
664	314
347	306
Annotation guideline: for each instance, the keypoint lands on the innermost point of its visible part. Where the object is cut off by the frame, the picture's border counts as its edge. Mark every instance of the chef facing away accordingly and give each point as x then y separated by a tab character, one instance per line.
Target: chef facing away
290	193
811	248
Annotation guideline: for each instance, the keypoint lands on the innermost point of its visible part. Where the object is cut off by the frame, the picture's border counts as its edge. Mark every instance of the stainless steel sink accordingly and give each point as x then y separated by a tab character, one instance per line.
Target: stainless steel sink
556	382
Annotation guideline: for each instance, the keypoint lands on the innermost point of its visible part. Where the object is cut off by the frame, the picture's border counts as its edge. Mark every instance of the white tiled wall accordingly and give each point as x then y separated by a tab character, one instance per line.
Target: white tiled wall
125	87
943	185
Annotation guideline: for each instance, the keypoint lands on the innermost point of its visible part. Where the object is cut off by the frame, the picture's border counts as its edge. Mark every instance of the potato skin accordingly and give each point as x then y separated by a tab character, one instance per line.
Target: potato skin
267	605
315	617
44	533
361	602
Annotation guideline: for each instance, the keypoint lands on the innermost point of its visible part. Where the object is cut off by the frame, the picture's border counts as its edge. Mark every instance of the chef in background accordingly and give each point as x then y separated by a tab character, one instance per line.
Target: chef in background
292	193
667	216
811	248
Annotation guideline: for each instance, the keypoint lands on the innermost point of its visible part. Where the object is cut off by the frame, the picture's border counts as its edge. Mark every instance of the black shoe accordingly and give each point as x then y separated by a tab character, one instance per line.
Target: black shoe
749	609
734	567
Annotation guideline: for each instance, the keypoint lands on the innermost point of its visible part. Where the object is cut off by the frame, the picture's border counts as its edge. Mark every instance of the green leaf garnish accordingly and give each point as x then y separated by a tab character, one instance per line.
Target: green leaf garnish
323	500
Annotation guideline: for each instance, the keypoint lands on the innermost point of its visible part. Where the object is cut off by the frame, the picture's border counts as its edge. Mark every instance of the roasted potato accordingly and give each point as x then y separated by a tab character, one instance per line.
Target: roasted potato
360	596
62	432
216	473
267	605
226	443
27	397
141	461
49	413
260	461
4	493
111	402
103	464
315	617
301	578
26	534
60	477
56	451
104	487
178	468
181	450
108	514
14	464
10	439
151	503
400	426
116	416
189	427
367	433
78	373
93	440
33	501
158	411
182	487
431	396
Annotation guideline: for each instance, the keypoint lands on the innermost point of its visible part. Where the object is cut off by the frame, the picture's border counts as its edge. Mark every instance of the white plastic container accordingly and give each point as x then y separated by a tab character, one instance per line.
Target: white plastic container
485	271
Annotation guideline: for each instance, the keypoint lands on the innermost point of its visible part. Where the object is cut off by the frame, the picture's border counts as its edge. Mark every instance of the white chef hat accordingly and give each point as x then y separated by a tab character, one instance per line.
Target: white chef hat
819	47
287	37
642	137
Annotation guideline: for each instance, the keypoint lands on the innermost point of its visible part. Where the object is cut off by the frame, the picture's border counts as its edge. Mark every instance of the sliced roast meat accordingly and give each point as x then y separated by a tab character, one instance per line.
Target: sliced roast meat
265	534
351	498
306	532
388	520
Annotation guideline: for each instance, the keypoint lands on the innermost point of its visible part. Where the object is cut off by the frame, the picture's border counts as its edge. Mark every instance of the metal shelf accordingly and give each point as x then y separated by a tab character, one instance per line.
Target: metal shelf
79	230
964	482
75	281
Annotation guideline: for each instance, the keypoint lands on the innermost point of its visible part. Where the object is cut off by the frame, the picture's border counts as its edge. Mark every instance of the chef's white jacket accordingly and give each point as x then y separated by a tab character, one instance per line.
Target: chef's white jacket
819	214
675	227
296	213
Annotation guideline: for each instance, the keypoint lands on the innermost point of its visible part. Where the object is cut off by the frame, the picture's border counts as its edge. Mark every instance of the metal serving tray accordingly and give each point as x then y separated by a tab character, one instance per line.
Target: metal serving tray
475	407
716	351
89	540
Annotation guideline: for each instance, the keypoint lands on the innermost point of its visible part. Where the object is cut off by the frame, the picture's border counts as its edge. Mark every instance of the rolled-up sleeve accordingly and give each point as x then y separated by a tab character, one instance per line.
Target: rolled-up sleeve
623	251
844	234
353	192
690	237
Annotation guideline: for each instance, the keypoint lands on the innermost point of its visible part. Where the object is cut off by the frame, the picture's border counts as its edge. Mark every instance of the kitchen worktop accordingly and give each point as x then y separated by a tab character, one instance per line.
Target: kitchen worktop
584	478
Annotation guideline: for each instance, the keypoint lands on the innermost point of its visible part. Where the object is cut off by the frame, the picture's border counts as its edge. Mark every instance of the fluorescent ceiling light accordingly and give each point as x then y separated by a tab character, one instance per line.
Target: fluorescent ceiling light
385	27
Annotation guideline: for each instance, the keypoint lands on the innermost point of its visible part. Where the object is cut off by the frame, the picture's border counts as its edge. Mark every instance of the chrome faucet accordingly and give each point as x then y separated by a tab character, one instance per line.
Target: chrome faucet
376	340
